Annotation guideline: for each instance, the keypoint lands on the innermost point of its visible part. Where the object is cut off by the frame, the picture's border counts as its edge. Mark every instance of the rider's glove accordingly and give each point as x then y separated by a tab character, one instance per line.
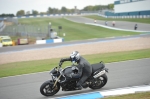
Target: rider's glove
62	60
60	63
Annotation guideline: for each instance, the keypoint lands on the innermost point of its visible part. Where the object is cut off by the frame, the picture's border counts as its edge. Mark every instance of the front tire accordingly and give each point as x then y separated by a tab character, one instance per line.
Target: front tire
99	82
47	90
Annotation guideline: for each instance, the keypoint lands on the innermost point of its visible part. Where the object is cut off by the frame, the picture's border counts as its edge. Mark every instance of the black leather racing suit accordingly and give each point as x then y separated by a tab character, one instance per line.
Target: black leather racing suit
85	69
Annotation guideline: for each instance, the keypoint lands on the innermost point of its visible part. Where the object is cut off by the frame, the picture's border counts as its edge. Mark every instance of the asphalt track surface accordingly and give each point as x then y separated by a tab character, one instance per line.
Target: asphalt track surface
121	74
11	49
118	24
80	19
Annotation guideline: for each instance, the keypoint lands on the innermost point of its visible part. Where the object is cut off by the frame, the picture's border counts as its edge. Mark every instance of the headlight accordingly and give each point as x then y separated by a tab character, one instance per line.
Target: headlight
61	71
54	77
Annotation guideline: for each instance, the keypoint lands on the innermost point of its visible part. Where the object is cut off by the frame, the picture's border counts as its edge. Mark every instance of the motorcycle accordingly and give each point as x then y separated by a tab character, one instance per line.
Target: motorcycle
61	78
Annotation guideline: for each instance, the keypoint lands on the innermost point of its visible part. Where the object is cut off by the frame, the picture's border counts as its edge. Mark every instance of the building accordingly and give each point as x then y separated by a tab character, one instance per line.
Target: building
130	8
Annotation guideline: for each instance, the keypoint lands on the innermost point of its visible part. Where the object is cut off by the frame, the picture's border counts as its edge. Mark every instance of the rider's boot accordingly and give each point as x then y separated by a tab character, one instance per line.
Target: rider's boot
78	87
85	85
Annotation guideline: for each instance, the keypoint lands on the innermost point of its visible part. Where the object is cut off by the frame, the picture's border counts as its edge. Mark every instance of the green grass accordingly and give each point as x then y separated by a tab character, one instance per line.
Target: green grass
144	95
75	31
140	20
26	67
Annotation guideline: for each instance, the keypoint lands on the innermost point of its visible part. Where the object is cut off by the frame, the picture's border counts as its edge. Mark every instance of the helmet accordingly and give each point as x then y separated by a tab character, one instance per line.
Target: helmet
75	69
75	56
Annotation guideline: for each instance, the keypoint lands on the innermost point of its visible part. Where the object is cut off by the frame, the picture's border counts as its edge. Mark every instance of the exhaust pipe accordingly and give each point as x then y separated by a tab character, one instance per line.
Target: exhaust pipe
100	73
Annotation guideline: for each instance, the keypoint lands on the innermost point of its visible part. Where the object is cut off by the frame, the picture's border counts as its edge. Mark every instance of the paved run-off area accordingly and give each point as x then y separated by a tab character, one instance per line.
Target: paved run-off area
87	48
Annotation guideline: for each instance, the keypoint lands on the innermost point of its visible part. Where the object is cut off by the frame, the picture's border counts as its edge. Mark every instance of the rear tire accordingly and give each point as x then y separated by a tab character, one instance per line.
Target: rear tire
99	82
47	90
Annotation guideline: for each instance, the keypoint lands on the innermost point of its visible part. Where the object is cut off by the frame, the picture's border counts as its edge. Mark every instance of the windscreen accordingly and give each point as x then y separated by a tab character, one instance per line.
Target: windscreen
6	40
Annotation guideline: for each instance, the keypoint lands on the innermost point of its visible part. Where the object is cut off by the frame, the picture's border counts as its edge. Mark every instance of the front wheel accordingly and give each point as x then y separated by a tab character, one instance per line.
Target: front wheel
47	89
99	82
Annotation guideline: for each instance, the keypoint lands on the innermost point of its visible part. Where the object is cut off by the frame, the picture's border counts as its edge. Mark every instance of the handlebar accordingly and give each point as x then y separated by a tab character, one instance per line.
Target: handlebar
60	63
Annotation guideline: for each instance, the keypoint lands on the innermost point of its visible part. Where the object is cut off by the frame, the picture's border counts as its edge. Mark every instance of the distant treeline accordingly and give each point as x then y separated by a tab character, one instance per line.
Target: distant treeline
98	7
7	15
63	10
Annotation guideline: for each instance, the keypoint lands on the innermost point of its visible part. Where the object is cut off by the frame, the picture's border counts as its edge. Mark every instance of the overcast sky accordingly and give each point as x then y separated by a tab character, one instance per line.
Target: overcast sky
12	6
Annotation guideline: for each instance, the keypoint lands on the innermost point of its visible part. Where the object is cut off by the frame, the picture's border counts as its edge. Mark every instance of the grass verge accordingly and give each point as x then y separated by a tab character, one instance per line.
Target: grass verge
74	31
143	95
140	20
26	67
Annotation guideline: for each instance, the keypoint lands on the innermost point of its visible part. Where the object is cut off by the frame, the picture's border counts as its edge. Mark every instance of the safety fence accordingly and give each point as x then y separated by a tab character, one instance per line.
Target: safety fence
32	30
43	30
26	30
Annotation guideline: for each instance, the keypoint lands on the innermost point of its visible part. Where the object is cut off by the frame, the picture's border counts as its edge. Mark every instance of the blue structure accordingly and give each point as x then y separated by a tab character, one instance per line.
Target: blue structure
136	8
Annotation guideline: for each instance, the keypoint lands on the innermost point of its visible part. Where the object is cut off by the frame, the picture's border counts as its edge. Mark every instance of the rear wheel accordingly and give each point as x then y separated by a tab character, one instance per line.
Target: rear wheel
99	82
47	89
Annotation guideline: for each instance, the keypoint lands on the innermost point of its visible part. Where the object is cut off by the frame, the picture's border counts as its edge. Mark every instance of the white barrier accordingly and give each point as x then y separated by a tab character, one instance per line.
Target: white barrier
40	41
59	40
1	45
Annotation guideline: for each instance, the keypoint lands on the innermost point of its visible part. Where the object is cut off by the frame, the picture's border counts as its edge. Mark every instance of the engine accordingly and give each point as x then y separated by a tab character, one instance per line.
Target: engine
69	86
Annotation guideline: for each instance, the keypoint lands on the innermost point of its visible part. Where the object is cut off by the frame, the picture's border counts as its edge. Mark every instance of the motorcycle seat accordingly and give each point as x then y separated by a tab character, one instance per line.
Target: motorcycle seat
98	66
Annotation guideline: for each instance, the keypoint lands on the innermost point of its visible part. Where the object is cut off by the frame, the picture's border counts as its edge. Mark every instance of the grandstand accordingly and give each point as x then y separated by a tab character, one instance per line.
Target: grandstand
130	9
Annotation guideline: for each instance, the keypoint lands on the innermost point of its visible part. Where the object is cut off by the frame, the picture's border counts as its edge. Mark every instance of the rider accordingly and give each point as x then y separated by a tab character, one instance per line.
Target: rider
84	68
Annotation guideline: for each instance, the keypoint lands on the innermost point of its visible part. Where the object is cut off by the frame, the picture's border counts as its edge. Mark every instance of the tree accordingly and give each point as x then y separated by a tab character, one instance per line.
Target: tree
7	15
28	13
34	12
98	7
42	13
55	11
72	10
111	6
20	13
88	8
64	10
50	10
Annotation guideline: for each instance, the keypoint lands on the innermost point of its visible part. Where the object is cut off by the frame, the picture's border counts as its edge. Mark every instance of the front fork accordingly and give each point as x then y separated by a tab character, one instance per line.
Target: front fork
56	81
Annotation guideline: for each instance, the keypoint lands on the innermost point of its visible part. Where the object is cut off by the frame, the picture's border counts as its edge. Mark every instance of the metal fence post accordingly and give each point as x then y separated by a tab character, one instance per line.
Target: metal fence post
49	28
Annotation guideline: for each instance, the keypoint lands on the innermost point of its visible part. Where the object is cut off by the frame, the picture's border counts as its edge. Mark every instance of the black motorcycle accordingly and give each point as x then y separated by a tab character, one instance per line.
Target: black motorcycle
61	78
